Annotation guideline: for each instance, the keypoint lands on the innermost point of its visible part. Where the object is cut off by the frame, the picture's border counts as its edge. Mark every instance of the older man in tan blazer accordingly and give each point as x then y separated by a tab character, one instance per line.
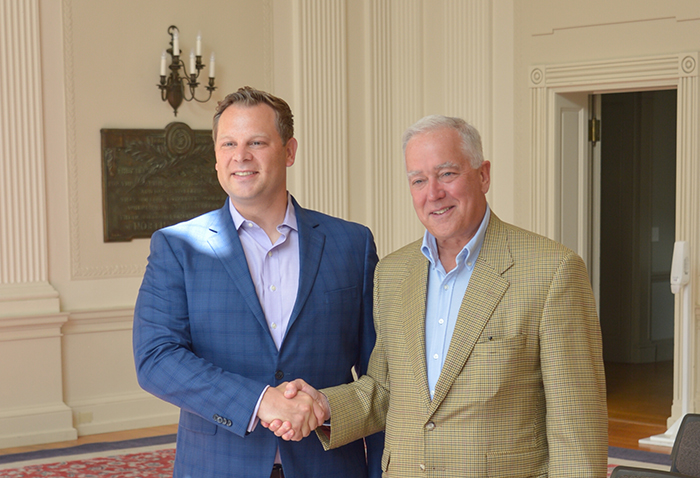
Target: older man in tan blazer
502	377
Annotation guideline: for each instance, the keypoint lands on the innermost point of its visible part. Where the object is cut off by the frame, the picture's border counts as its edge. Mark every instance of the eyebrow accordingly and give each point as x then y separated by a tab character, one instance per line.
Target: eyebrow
252	137
446	165
439	167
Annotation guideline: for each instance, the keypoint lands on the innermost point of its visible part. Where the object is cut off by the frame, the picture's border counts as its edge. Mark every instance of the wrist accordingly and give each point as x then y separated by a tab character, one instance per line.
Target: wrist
325	404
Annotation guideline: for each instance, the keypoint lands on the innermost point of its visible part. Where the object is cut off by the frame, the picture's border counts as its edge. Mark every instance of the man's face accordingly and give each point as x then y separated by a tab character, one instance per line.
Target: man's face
251	159
449	196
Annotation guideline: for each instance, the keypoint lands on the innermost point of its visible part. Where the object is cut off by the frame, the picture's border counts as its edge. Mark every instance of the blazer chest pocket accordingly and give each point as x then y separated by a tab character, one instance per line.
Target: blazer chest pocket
499	345
197	424
498	363
341	296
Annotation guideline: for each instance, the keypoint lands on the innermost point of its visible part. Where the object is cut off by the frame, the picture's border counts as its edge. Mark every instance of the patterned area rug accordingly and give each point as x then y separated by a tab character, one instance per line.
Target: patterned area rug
154	464
153	458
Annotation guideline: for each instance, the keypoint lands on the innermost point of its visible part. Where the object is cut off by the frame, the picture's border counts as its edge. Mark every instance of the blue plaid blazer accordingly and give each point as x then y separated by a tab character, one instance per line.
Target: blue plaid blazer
201	342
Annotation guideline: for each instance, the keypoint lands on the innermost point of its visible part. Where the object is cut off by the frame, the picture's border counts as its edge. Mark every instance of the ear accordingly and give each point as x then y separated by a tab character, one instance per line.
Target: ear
291	149
485	176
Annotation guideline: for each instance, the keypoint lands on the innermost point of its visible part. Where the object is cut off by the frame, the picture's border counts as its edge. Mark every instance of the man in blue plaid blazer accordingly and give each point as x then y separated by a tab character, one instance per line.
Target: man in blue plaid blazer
237	301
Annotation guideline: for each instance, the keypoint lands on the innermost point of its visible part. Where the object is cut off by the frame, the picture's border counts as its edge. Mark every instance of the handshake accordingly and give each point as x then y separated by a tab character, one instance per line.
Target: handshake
293	410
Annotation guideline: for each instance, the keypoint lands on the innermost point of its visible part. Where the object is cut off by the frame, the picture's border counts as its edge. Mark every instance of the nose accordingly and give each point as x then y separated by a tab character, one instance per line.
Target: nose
242	154
435	190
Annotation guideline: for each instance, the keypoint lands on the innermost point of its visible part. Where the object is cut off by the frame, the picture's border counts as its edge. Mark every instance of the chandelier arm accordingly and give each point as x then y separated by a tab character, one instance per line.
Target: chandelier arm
203	101
174	86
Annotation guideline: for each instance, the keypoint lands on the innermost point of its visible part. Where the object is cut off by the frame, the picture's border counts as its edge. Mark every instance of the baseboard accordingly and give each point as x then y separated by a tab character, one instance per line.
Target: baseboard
36	425
122	412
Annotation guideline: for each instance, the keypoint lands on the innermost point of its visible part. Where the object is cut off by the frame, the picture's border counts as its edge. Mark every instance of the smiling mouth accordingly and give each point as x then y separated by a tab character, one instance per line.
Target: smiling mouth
442	211
244	173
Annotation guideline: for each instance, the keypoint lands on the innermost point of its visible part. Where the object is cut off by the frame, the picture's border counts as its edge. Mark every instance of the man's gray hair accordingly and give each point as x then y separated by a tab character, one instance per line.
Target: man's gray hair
471	139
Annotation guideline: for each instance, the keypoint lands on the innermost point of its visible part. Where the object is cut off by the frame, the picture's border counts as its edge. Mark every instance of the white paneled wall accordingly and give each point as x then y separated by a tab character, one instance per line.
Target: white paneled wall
66	297
31	401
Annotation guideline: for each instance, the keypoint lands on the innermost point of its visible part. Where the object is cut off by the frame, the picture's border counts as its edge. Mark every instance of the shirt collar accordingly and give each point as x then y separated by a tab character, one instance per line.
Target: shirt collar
468	253
290	216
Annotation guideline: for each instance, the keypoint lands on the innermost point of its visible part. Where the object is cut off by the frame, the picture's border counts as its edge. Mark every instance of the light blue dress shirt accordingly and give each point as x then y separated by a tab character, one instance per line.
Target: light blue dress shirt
444	298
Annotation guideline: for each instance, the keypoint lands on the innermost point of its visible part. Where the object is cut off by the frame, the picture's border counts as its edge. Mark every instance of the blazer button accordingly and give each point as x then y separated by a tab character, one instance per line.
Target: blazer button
430	426
279	375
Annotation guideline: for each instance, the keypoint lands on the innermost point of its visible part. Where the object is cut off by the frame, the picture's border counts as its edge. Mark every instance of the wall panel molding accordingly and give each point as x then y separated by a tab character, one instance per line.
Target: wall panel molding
321	91
23	231
378	128
468	64
80	270
394	100
408	105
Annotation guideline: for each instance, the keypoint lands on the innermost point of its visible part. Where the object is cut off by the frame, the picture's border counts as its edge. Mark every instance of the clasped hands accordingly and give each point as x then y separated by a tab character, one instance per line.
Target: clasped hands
293	410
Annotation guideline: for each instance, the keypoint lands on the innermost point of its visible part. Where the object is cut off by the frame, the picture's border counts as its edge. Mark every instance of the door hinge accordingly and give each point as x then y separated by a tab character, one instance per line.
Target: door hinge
593	130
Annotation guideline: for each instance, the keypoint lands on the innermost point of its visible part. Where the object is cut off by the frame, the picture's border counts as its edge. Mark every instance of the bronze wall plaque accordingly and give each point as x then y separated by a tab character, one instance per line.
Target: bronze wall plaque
152	178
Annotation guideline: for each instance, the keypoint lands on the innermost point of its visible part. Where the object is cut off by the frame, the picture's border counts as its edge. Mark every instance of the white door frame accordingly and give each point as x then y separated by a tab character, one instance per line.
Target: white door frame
680	71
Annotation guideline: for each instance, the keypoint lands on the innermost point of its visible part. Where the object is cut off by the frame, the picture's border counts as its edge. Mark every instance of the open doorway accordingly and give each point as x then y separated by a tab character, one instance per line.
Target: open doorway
559	107
637	224
637	164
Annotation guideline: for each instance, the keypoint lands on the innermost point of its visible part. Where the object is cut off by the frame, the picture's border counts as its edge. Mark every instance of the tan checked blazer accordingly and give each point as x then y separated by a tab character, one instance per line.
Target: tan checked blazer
522	391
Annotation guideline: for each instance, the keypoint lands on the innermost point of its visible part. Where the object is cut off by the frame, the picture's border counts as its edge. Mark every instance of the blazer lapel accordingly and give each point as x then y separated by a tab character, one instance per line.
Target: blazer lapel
486	289
311	243
414	291
227	246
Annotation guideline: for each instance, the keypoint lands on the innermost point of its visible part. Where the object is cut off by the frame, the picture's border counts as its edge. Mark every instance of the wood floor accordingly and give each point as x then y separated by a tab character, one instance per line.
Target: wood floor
639	402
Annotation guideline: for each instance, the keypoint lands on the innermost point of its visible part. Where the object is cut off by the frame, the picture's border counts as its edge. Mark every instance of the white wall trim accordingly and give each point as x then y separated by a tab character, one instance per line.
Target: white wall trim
107	320
23	236
321	92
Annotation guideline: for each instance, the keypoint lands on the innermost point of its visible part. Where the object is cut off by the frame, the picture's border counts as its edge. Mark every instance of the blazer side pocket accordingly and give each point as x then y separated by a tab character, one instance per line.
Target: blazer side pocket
518	464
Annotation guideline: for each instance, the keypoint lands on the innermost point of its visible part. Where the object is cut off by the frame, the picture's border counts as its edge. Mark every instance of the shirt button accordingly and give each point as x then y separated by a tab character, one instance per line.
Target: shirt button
422	467
273	288
269	254
441	321
436	356
446	287
430	426
250	224
273	325
469	264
